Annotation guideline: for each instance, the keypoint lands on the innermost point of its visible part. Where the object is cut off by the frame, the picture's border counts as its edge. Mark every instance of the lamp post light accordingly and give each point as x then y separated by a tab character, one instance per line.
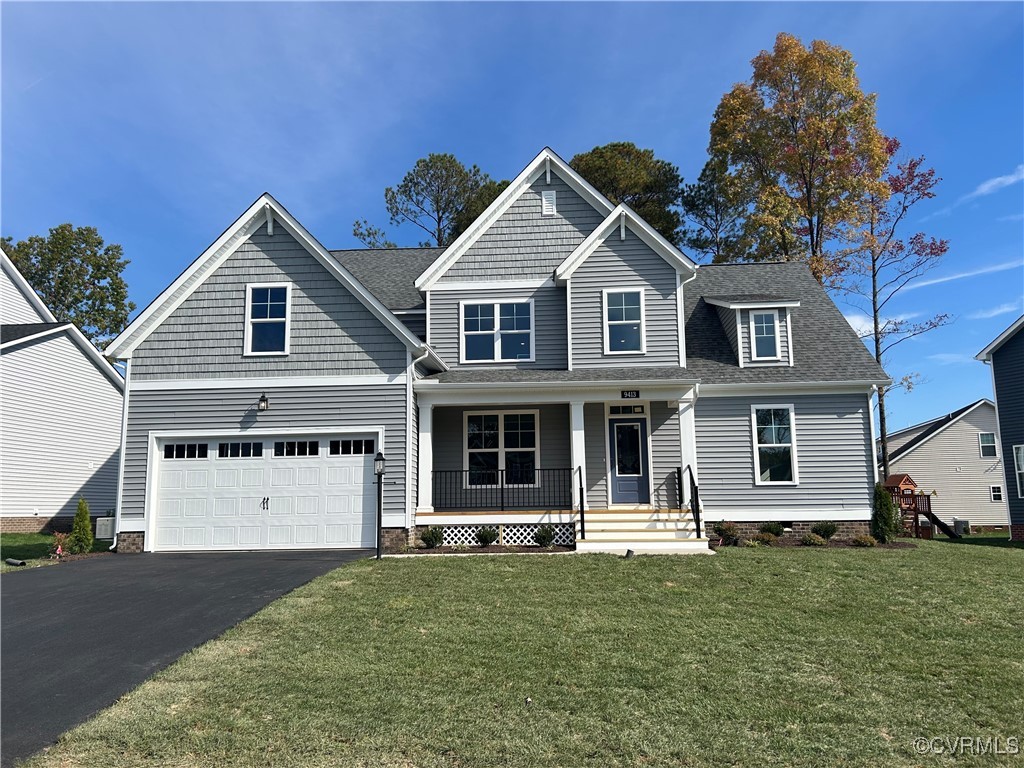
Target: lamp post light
379	467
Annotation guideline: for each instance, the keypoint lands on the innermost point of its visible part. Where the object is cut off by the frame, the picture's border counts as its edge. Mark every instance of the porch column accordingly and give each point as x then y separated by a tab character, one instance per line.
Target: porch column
425	502
579	453
687	443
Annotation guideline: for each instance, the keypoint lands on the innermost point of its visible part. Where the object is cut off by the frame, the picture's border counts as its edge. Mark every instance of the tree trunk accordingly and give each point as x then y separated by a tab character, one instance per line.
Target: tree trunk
883	434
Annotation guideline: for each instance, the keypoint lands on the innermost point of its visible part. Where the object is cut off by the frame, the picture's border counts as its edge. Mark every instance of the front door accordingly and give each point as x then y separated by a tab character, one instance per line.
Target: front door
630	465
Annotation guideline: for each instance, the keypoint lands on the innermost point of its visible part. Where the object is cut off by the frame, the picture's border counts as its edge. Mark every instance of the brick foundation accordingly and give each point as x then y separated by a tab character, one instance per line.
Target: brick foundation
60	523
397	539
846	529
130	542
1017	532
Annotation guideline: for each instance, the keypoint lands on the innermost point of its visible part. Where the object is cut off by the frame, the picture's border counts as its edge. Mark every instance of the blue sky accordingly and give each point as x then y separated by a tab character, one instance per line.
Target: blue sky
160	123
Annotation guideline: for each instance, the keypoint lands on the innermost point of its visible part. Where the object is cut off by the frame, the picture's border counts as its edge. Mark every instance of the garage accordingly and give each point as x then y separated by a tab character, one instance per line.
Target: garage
265	492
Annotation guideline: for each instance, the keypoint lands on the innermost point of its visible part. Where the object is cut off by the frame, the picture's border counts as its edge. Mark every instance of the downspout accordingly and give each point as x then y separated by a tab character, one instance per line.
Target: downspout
412	473
120	468
681	304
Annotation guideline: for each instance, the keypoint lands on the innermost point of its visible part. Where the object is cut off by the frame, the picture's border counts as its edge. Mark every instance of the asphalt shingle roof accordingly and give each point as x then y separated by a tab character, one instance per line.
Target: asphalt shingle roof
17	331
389	273
531	375
746	297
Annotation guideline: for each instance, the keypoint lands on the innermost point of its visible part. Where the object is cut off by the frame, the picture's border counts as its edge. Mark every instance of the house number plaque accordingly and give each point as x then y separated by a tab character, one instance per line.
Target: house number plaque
631	394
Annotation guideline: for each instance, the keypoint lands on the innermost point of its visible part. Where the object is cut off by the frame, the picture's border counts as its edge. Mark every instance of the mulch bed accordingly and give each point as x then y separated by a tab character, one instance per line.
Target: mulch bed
494	549
791	541
84	556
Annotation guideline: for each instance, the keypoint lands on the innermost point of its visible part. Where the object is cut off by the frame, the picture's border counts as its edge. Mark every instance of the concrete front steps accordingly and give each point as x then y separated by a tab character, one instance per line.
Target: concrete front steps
644	531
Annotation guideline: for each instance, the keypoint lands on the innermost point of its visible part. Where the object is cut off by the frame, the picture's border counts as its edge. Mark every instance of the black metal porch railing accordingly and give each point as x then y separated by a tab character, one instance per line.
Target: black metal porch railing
503	489
694	494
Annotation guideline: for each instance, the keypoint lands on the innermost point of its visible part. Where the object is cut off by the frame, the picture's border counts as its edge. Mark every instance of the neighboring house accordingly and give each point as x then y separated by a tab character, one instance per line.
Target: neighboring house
1006	356
60	414
958	458
559	355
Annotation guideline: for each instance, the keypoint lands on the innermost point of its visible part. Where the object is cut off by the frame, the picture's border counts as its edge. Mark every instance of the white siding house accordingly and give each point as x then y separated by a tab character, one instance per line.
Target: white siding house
60	414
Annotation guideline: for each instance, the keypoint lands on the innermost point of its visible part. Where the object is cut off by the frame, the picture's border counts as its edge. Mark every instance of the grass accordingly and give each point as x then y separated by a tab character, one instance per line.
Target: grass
34	549
754	657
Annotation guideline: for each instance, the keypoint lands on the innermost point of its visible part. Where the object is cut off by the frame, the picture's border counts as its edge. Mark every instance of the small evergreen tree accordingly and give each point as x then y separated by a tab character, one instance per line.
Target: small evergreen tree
885	519
81	530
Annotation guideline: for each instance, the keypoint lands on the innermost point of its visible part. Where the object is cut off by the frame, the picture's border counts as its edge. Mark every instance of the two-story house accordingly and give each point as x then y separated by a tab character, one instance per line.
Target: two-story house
559	363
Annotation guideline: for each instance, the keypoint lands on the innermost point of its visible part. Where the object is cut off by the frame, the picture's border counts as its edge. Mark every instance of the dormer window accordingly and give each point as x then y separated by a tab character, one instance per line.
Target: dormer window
764	332
548	206
268	316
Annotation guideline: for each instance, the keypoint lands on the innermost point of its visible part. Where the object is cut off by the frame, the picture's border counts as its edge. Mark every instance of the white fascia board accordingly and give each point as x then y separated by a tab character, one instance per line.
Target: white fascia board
275	382
939	431
804	388
79	340
539	165
759	514
434	393
256	215
25	289
773	304
650	236
986	354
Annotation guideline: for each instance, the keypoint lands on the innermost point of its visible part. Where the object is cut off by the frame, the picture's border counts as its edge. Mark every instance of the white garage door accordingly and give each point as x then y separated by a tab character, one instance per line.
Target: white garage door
293	492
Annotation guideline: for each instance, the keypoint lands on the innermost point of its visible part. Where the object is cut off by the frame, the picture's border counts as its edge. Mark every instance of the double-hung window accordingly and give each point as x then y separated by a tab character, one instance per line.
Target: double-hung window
498	332
267	318
623	321
764	334
501	446
1018	466
987	442
774	445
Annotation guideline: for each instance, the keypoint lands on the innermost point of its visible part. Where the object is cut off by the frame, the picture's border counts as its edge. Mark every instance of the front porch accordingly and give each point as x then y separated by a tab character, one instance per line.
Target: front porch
607	473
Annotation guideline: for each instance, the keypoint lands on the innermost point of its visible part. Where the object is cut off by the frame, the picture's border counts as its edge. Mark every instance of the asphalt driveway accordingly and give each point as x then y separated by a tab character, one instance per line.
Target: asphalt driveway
76	636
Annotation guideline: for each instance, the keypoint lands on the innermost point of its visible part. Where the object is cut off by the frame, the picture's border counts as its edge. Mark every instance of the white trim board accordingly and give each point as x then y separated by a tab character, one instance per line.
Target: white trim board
542	164
623	215
766	304
758	514
213	257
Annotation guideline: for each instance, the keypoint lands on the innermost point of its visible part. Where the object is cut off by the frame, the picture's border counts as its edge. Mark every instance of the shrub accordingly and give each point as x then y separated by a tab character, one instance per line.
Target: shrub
433	537
886	524
545	536
863	541
729	533
486	536
826	529
813	540
768	539
81	539
774	528
59	545
751	543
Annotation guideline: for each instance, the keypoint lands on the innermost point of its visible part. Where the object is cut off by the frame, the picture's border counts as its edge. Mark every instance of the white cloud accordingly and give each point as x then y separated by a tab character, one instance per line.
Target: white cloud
986	187
1012	217
1002	309
951	358
1002	267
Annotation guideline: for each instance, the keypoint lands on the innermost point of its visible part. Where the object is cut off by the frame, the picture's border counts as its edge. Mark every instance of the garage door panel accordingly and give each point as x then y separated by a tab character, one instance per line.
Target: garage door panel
213	498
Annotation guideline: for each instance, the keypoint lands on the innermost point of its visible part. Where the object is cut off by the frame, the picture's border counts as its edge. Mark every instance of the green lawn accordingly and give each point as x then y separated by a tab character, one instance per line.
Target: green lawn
753	657
33	548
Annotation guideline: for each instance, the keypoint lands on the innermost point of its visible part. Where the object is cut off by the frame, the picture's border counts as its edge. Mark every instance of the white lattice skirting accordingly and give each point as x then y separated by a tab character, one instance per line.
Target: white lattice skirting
513	535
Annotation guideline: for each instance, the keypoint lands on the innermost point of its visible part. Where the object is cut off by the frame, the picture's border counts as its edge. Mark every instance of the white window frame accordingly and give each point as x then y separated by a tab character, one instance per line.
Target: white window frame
497	332
501	450
545	196
247	349
1018	466
605	322
993	490
981	446
792	443
753	339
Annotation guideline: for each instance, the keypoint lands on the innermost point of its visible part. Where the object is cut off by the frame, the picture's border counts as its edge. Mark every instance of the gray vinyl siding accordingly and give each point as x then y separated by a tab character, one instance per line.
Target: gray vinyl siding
625	265
523	244
744	339
61	420
332	333
728	318
292	408
550	342
14	307
416	323
1008	370
834	460
594	427
950	462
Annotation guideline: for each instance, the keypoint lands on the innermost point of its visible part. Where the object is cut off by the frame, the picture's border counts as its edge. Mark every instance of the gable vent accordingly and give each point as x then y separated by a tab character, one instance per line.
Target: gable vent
547	207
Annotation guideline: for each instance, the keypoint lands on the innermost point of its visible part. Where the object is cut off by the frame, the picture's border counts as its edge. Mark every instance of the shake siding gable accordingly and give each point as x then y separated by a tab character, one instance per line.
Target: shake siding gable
550	342
625	265
332	333
523	244
834	465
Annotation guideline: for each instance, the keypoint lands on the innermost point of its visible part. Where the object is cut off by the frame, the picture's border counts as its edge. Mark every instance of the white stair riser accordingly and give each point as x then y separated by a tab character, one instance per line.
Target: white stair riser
639	535
695	546
638	525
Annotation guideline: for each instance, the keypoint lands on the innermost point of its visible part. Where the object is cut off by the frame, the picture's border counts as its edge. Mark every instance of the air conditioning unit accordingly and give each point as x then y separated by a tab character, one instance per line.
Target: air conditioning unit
961	527
104	528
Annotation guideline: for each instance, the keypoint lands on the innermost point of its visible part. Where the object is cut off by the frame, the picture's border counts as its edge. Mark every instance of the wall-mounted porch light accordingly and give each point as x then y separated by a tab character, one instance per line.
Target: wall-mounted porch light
264	403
